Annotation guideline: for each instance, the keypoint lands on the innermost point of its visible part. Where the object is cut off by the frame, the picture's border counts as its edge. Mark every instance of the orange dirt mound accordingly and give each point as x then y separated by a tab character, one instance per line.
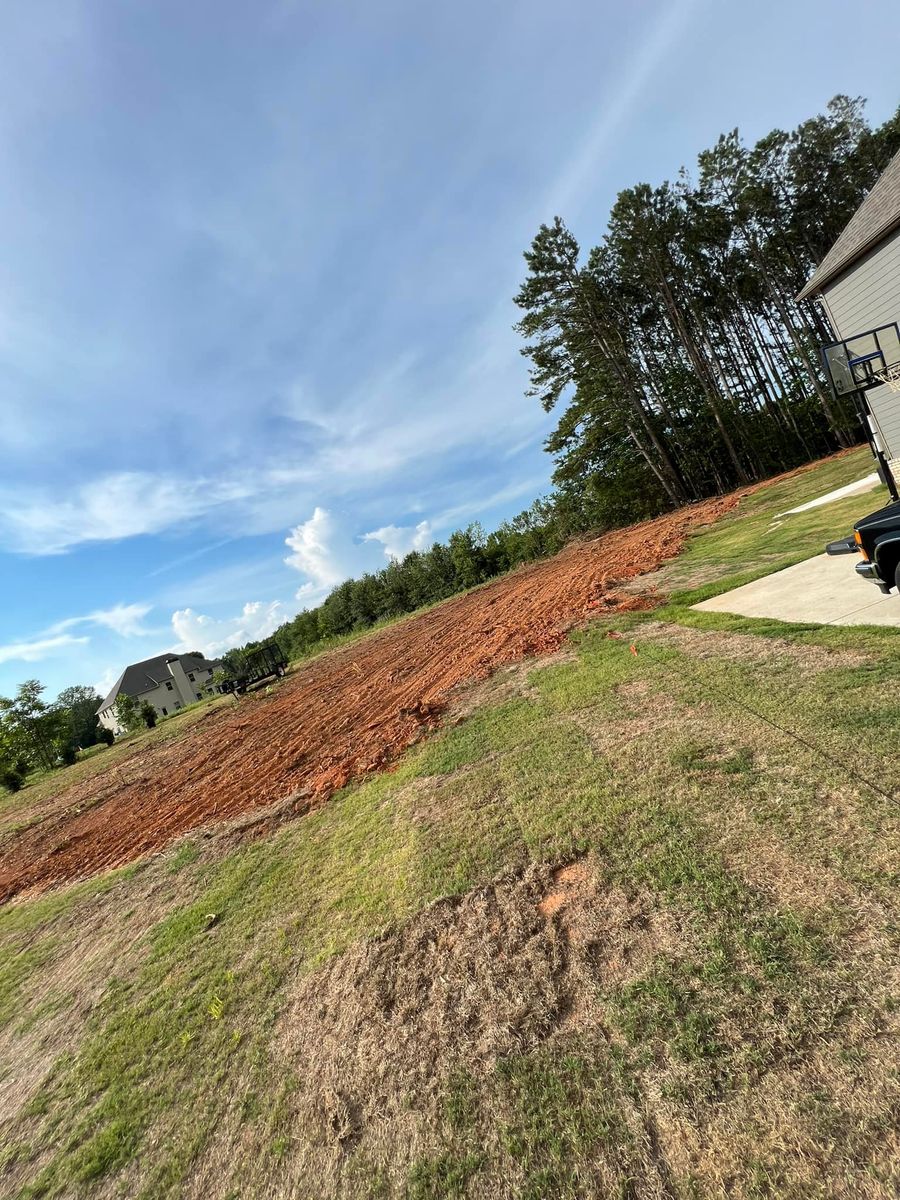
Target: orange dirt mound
340	715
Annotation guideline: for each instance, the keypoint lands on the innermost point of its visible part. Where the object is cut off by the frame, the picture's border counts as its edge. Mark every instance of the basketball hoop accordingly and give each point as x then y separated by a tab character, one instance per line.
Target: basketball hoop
890	376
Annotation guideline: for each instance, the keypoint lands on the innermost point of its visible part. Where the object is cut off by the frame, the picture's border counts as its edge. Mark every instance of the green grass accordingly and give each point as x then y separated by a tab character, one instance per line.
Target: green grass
665	771
756	539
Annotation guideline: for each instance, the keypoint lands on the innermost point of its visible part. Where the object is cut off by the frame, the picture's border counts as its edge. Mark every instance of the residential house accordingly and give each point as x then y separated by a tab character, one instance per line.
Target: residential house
168	682
858	284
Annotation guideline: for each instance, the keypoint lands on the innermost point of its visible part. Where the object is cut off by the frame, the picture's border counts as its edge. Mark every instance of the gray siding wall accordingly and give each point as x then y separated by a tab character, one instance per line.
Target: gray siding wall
869	295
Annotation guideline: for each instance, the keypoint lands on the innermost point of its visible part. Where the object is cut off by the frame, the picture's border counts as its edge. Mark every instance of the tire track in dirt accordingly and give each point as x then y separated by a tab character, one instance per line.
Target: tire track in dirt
339	716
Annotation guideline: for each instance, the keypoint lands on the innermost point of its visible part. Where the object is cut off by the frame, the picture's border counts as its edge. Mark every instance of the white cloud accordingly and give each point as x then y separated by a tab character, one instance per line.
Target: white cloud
314	556
124	619
399	540
211	635
103	685
38	648
110	507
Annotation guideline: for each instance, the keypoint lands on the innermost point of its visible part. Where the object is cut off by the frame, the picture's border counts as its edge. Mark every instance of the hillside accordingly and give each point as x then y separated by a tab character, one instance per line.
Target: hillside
619	920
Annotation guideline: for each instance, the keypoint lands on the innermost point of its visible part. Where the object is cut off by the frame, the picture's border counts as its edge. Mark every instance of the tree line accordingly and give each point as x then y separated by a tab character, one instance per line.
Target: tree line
37	736
468	557
674	349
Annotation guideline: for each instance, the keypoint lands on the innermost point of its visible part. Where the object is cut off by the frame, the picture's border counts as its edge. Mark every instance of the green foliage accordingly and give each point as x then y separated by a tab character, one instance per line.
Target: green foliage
105	735
147	714
128	712
683	363
78	705
30	728
11	778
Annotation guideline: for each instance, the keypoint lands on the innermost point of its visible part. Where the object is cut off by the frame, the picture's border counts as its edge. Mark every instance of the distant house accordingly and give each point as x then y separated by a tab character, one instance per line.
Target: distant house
168	682
858	284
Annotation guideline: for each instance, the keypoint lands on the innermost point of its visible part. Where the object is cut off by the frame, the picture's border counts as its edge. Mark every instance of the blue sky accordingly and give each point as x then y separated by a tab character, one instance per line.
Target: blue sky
257	276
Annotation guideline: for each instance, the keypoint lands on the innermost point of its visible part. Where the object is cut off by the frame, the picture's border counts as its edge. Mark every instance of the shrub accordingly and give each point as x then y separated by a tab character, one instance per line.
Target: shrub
12	779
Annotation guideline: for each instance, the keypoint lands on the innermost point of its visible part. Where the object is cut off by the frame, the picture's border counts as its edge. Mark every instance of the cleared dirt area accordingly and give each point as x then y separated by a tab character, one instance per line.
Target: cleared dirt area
338	717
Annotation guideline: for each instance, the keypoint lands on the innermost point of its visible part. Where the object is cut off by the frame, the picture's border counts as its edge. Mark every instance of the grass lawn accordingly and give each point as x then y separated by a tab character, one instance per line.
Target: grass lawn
627	928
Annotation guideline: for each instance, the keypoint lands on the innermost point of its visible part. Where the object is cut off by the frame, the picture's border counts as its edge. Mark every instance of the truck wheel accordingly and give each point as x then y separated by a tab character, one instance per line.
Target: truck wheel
897	577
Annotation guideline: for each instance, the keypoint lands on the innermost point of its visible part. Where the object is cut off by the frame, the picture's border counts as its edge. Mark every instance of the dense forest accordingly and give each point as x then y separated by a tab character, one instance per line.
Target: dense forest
674	351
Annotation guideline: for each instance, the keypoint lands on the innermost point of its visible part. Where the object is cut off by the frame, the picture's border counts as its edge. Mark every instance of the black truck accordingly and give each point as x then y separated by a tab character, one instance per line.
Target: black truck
265	662
877	539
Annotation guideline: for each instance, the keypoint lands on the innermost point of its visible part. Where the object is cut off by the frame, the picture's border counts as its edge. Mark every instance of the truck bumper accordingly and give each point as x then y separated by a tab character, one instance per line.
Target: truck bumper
868	570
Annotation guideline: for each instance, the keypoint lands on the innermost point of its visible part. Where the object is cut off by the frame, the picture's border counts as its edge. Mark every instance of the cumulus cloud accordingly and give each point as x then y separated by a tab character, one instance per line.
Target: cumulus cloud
211	635
399	540
312	544
38	648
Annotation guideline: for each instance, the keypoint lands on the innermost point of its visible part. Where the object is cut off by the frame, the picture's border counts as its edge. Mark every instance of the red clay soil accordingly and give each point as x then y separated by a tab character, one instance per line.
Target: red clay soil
339	716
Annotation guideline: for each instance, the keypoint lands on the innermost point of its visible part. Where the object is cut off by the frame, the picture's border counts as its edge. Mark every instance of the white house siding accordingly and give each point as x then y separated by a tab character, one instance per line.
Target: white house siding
164	697
866	296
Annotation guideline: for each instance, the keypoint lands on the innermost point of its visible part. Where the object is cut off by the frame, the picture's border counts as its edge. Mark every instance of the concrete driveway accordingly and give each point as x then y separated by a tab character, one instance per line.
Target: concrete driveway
822	589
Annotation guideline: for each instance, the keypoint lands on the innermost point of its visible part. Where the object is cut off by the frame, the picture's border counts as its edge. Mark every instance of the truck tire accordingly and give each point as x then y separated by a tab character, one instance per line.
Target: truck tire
897	576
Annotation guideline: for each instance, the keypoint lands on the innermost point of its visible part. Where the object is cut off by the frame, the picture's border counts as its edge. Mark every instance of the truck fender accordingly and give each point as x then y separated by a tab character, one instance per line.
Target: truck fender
887	555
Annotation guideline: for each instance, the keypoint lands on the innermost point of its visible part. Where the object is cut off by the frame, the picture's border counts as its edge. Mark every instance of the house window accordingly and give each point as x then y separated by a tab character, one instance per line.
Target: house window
165	712
169	686
209	670
191	676
199	695
177	705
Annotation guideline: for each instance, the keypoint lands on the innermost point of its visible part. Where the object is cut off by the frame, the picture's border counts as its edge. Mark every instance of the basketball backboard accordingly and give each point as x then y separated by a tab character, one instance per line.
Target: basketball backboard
863	361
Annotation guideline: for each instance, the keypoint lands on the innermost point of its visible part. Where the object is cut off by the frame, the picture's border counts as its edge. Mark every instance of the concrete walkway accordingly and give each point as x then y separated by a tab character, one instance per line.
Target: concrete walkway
823	589
849	489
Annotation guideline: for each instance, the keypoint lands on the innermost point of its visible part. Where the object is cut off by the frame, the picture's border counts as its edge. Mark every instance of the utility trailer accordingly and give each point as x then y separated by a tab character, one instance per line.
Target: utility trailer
265	662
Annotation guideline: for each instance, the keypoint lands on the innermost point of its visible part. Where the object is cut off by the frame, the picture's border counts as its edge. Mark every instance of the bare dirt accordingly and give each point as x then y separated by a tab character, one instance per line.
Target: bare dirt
338	717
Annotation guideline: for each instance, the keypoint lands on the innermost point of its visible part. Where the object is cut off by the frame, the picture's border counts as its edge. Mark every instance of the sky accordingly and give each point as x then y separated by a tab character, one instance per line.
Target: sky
257	269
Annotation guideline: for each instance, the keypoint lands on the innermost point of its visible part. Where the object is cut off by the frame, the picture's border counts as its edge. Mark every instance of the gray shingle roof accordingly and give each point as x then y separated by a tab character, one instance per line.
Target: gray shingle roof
144	676
876	217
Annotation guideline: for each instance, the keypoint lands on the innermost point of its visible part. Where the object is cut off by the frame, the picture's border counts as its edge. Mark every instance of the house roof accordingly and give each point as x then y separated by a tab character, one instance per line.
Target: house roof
876	217
144	676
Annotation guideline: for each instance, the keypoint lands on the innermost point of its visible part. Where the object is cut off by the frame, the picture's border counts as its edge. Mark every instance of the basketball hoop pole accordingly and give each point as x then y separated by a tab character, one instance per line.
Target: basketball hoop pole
884	469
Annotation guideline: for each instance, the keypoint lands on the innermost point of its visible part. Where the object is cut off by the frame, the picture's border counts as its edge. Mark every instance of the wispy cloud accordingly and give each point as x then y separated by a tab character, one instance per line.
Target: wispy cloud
636	73
123	619
38	648
109	508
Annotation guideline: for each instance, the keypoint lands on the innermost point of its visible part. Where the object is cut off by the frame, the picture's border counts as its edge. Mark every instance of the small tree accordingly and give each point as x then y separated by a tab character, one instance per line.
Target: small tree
39	728
78	706
105	735
147	714
127	712
11	778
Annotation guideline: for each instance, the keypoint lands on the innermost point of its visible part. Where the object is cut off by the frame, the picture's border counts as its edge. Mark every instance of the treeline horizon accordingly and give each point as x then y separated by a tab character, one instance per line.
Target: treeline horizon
680	361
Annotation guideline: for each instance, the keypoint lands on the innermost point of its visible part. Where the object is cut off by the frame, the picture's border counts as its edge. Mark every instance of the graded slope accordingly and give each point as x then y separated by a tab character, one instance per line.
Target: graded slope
339	716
